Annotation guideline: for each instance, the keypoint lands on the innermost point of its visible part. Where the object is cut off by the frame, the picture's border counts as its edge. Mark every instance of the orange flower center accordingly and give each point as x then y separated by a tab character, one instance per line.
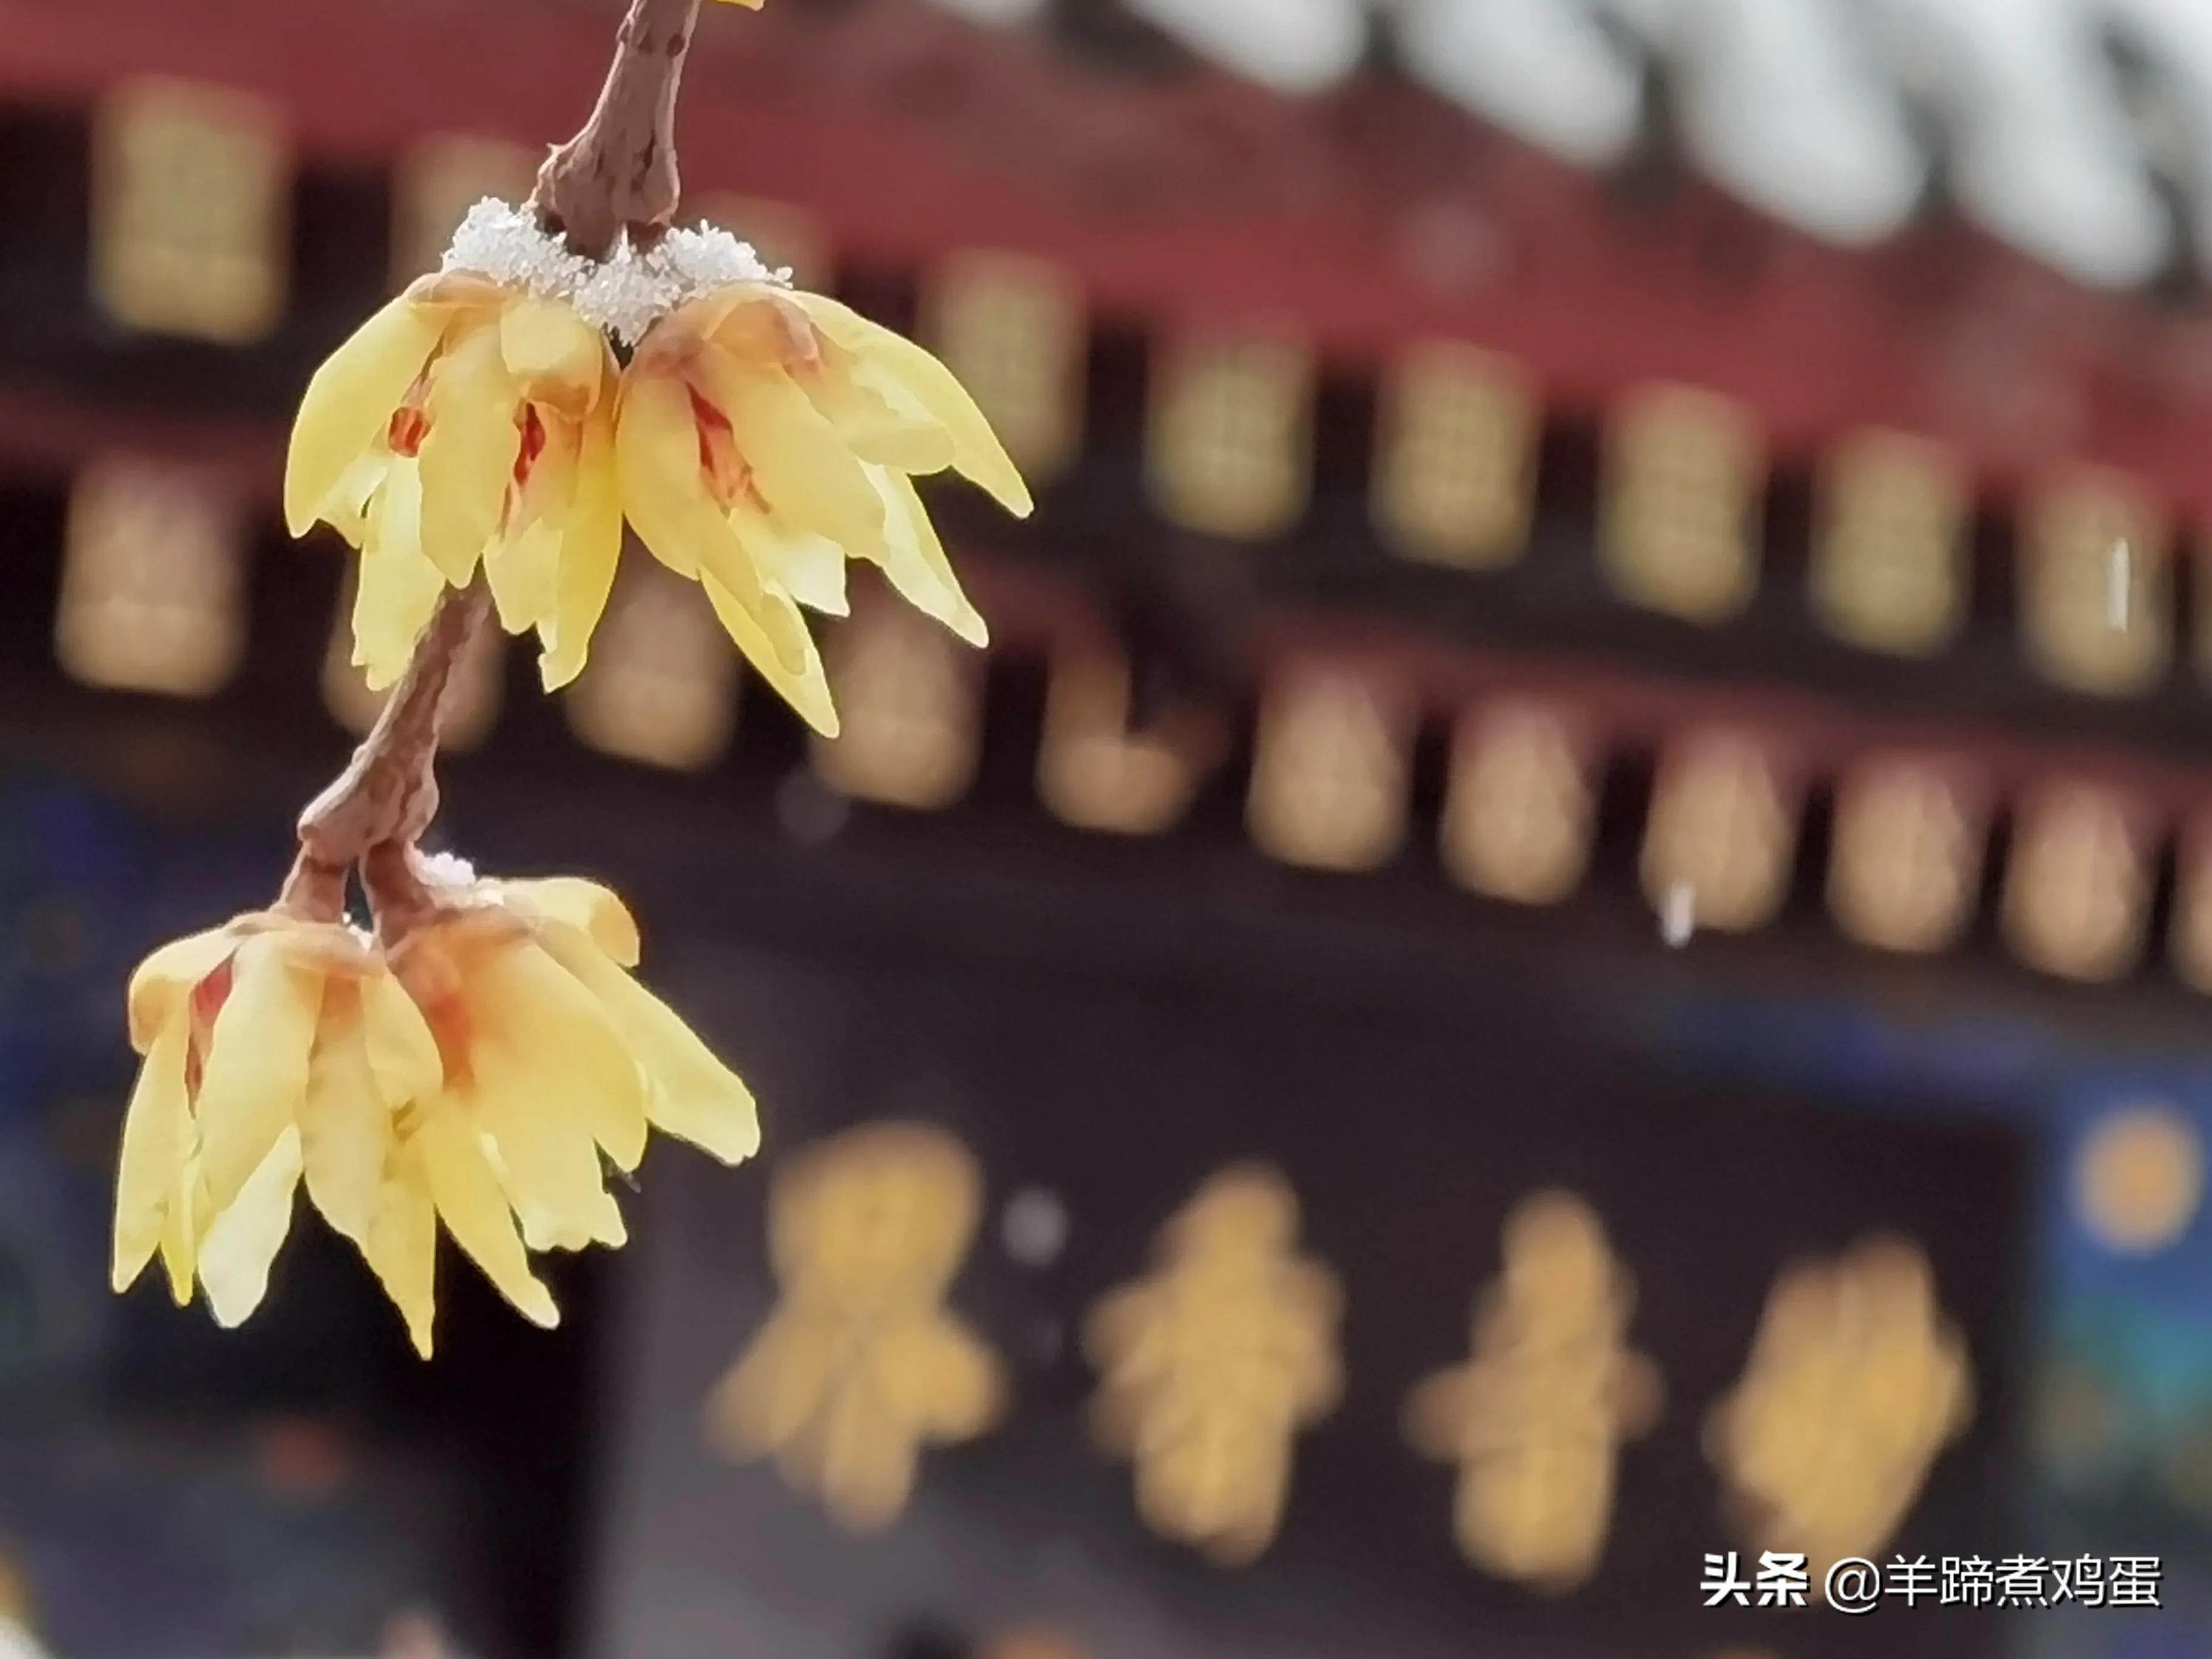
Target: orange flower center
205	1003
410	422
729	480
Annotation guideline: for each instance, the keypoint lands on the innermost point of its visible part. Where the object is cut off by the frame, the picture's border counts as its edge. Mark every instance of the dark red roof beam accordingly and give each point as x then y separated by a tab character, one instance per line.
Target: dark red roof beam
1365	219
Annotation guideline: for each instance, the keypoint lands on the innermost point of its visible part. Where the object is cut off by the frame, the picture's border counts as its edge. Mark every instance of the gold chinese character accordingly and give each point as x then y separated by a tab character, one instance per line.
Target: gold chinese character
1210	1366
860	1364
1855	1385
1534	1418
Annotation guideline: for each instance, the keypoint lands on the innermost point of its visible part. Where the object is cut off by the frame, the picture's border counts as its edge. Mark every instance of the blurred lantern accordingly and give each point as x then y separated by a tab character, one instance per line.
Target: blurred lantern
1012	328
191	221
1329	769
860	1364
1519	807
1093	772
786	237
2077	888
2139	1178
1684	470
151	597
2095	582
1456	476
472	697
1210	1366
1534	1418
661	686
909	697
1905	856
440	179
1231	434
1720	834
1889	554
1855	1384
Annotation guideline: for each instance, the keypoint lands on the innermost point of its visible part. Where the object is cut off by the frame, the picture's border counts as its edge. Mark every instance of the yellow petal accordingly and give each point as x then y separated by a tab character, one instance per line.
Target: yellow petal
550	1031
256	1075
749	623
808	567
977	454
914	559
875	417
240	1247
582	904
402	1246
161	983
345	1127
348	403
403	1055
468	456
801	468
695	1097
467	1193
590	551
398	586
180	1227
549	1167
156	1126
552	352
663	487
523	568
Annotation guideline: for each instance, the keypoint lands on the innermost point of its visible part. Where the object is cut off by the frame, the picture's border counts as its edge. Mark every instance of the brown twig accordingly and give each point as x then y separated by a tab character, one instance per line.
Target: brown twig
619	172
616	175
389	790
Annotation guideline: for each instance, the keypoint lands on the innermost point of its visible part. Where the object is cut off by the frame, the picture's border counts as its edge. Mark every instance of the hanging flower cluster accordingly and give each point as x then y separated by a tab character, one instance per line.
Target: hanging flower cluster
480	1073
759	437
480	1060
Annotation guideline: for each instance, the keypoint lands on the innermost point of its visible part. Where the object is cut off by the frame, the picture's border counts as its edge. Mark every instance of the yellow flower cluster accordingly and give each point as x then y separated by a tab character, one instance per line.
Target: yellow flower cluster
758	437
481	1074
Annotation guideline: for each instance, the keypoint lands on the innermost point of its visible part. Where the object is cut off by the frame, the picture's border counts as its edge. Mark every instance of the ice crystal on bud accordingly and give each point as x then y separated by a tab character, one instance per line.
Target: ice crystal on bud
623	294
447	870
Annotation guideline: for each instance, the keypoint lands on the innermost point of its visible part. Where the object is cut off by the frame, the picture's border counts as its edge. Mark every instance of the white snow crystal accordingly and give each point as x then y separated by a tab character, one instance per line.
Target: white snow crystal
623	294
447	871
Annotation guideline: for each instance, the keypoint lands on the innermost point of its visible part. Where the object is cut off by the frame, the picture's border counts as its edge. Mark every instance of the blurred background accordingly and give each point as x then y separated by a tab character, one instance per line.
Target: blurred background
1566	927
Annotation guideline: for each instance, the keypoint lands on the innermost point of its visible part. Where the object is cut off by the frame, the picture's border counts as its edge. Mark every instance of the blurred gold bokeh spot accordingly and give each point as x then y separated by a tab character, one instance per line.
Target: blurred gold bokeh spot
2139	1178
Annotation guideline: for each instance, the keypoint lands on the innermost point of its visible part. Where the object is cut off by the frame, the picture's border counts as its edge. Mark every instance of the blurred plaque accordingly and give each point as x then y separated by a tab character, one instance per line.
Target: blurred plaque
1415	1141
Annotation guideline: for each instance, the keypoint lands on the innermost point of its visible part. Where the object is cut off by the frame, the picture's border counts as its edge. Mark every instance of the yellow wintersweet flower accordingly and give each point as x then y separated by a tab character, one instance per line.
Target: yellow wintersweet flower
467	423
553	1059
765	435
268	1042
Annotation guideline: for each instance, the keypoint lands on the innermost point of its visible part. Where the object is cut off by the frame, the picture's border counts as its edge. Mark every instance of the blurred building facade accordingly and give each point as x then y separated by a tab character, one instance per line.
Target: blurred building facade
1585	827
